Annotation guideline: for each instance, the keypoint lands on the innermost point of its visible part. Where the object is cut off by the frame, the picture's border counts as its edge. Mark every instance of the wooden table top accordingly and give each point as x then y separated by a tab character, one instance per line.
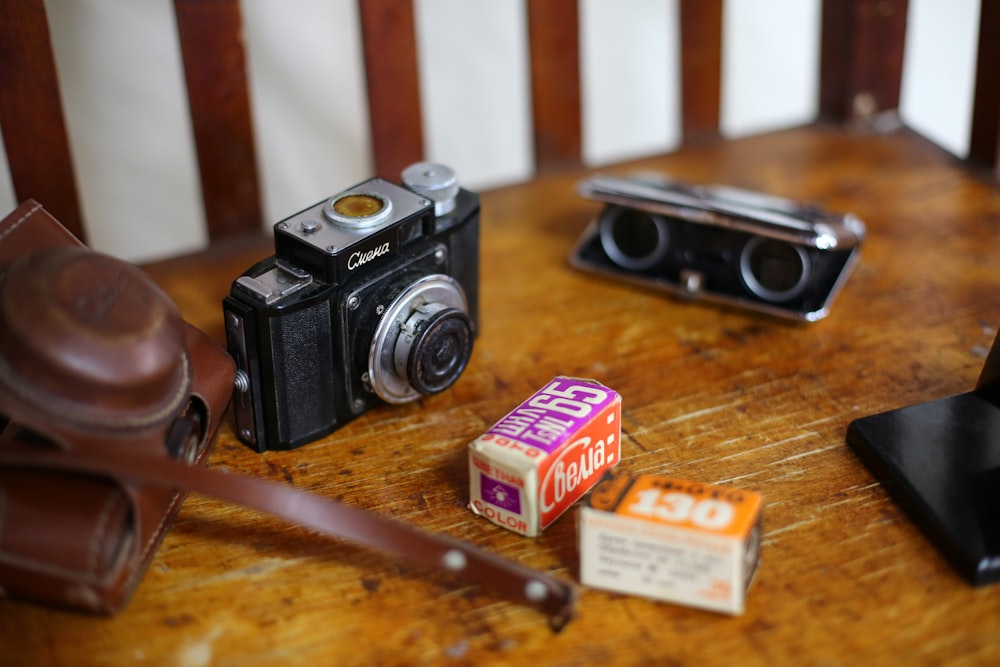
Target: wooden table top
709	393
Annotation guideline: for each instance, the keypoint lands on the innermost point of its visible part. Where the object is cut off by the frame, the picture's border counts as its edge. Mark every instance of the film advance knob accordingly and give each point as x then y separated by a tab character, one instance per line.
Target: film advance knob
437	182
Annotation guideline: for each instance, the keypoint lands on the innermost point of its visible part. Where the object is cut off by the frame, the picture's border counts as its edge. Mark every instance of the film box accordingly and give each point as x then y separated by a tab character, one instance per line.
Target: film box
544	455
671	539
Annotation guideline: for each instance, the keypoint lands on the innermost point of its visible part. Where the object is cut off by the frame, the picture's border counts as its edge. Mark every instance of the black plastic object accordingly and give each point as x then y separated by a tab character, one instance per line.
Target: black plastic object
941	461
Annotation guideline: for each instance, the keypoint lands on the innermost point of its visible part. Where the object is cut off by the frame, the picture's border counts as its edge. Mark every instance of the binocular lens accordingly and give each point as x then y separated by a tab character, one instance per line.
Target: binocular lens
633	239
774	270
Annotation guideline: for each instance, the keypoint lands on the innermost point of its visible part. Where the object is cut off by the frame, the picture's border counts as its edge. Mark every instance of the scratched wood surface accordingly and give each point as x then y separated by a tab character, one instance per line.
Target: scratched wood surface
709	394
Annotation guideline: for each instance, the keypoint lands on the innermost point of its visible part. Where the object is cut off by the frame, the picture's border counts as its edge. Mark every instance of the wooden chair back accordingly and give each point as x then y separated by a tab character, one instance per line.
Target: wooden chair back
861	71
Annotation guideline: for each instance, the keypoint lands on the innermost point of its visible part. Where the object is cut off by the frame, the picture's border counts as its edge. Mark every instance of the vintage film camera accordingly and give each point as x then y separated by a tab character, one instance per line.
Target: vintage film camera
371	297
719	243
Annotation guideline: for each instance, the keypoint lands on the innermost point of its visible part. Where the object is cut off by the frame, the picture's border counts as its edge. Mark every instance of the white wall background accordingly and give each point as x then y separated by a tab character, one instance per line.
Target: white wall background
122	87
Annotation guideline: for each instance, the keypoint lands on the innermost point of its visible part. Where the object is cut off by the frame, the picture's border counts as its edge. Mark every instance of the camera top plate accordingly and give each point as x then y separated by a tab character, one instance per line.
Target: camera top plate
332	245
331	234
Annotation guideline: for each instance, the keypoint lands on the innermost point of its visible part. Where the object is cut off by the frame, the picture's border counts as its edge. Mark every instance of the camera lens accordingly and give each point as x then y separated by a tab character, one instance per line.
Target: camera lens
423	342
633	239
433	347
774	270
357	209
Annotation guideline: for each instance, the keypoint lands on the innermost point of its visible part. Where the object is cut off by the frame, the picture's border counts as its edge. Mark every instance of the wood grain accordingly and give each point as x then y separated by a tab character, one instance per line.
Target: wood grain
710	394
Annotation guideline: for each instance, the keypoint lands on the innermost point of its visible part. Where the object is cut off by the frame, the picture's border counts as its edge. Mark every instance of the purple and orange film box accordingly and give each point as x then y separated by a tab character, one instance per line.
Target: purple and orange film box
544	455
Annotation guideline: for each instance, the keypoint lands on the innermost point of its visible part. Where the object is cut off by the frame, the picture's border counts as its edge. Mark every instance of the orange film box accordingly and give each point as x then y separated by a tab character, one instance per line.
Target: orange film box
670	539
544	455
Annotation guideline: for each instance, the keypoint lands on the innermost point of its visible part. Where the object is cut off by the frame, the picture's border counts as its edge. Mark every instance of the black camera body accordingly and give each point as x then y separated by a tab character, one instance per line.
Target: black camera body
718	243
371	297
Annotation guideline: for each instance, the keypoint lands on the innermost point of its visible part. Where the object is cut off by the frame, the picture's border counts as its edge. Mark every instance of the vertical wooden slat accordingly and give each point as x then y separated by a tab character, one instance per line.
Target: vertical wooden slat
835	68
701	68
984	141
211	35
31	115
554	44
861	57
388	34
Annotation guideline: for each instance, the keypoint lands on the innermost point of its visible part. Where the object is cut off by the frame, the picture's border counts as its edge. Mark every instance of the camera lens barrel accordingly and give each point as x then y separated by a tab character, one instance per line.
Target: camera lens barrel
433	347
423	341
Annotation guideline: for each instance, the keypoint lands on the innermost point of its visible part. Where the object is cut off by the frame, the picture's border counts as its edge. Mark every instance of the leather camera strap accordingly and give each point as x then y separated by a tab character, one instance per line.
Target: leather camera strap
517	582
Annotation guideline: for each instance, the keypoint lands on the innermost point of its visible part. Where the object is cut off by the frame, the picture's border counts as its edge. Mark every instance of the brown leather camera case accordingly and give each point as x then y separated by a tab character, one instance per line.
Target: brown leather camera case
94	359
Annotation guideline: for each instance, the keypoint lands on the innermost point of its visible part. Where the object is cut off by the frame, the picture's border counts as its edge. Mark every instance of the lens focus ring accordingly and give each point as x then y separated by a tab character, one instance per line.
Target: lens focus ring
423	341
433	347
